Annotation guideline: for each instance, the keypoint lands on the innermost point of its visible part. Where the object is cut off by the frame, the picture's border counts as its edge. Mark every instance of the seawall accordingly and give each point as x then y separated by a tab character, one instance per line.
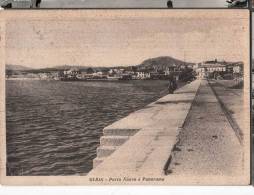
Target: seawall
142	142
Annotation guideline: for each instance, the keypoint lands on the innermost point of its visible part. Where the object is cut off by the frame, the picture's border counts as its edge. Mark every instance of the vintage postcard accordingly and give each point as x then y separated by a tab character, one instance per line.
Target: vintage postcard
113	97
25	4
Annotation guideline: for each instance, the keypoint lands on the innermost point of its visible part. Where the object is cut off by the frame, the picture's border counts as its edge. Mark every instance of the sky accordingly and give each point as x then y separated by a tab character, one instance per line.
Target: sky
105	39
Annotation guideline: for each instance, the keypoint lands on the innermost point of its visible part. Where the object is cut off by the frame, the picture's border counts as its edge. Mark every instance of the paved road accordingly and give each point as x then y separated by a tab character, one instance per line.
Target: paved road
130	3
207	144
231	96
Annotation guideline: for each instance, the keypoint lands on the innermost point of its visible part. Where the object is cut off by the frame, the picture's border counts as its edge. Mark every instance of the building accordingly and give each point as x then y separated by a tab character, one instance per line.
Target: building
167	71
210	69
72	73
238	68
97	74
143	75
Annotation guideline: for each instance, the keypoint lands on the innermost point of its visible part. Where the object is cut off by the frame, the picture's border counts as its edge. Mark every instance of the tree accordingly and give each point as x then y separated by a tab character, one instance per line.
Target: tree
186	75
89	71
9	73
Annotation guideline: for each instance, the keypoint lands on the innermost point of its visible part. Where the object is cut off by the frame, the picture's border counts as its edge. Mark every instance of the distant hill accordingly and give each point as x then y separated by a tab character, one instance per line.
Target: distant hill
161	63
81	68
16	67
151	63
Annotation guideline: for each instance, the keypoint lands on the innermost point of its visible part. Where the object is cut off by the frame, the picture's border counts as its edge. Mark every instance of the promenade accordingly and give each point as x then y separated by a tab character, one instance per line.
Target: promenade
207	143
192	136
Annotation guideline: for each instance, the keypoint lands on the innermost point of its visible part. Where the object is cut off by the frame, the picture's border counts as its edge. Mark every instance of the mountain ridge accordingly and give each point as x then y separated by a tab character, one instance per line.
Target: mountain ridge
162	62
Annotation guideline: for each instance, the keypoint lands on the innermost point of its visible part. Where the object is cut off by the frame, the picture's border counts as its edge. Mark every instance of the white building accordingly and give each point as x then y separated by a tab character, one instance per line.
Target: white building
205	70
143	75
237	69
99	73
73	72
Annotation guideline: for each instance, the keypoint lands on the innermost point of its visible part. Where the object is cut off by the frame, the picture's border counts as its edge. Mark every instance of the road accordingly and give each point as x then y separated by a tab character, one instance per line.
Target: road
232	100
131	3
207	144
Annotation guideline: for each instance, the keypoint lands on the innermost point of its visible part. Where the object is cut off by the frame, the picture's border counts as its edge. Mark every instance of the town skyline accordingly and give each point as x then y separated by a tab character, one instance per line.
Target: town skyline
111	66
120	65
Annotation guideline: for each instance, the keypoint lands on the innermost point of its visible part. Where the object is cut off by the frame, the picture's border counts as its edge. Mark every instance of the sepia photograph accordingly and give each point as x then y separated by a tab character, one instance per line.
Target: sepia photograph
7	4
148	97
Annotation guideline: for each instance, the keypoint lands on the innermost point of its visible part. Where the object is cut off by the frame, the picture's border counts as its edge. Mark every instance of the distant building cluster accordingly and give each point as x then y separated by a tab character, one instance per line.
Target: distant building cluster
128	73
218	70
185	72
